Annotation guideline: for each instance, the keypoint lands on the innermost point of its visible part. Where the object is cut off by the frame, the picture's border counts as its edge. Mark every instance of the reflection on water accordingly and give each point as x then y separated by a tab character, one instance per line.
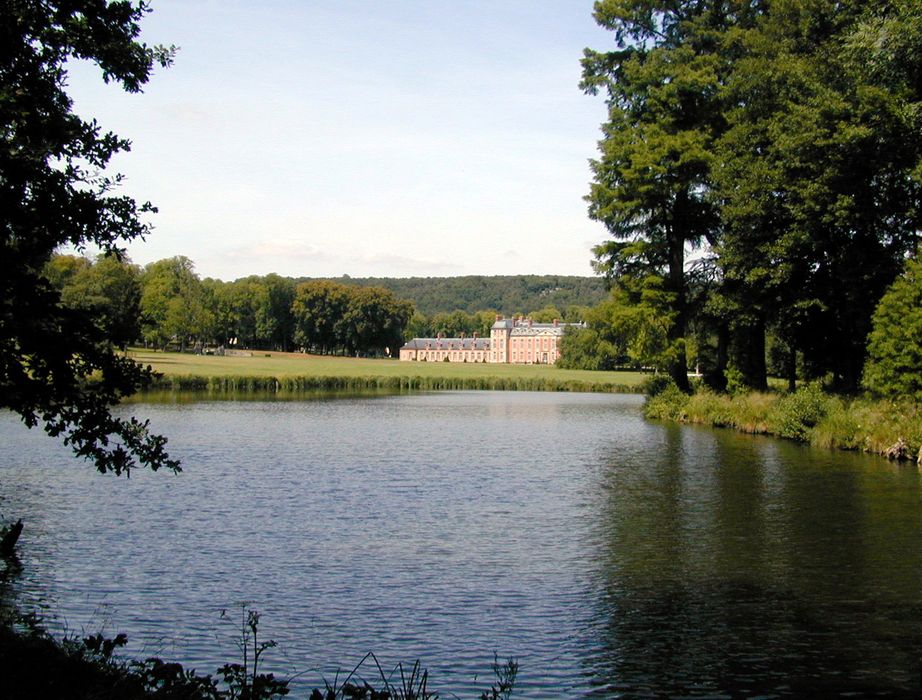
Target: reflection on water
612	556
728	565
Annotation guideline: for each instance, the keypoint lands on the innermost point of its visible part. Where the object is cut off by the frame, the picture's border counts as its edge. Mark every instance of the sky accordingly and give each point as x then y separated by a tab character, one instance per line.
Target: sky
388	138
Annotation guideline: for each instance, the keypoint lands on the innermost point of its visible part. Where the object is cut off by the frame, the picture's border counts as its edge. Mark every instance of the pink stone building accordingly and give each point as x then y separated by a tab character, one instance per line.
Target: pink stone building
513	341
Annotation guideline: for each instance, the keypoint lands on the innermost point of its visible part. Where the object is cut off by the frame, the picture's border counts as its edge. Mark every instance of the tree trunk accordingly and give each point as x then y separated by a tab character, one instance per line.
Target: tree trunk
791	369
749	354
676	336
718	380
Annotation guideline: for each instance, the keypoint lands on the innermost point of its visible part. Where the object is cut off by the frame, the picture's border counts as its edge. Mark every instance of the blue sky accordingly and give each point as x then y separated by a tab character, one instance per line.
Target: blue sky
374	138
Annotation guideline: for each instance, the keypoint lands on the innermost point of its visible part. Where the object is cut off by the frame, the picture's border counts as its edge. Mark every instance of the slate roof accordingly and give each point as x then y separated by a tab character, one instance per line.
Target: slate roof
447	344
539	329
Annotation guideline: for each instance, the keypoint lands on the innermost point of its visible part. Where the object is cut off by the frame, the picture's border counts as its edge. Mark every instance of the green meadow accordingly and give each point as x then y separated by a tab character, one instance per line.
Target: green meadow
280	372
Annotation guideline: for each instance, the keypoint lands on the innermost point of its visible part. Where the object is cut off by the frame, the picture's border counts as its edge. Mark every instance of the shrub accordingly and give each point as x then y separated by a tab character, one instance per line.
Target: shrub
736	381
668	404
795	415
894	365
656	384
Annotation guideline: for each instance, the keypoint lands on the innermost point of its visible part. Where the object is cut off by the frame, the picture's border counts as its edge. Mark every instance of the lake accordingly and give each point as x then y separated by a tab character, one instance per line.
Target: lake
609	555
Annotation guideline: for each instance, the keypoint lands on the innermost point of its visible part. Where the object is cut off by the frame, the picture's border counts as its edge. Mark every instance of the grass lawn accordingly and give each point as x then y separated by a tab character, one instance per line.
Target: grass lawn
277	364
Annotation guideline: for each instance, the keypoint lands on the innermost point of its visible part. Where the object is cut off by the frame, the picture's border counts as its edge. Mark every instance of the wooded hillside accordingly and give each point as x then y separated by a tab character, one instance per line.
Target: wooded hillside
507	294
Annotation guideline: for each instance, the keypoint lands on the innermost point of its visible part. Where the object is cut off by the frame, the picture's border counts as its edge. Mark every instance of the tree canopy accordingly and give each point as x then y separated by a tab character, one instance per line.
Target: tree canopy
780	140
506	294
652	177
58	363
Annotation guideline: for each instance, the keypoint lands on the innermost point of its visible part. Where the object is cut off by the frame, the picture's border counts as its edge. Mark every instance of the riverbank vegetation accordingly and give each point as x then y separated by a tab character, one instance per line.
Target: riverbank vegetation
889	428
34	665
296	372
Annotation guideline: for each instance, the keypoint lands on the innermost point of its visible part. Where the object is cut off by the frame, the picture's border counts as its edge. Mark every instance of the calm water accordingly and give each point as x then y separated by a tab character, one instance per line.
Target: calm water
611	556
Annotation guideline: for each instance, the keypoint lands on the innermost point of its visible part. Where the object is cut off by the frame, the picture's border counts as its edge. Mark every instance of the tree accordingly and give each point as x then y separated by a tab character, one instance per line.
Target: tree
418	327
650	183
57	367
548	314
62	269
785	138
455	323
815	177
243	299
173	303
374	321
109	290
894	366
274	322
318	310
631	327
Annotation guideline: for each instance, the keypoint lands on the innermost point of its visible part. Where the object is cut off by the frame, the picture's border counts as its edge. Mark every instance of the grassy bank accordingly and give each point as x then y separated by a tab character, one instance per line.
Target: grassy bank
295	373
889	428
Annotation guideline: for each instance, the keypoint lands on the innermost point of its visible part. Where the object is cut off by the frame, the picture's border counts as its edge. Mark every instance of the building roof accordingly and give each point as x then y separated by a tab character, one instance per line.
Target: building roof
527	327
539	329
447	344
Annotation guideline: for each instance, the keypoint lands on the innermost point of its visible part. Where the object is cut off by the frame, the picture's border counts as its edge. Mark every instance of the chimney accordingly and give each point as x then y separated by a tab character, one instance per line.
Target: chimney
462	335
555	323
475	335
499	317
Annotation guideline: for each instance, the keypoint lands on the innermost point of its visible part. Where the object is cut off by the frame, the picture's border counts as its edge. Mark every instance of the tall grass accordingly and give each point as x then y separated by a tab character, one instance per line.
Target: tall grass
892	428
229	385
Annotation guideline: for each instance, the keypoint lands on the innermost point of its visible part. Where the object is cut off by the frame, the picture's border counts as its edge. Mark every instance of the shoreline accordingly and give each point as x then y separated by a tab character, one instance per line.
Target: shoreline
229	385
891	429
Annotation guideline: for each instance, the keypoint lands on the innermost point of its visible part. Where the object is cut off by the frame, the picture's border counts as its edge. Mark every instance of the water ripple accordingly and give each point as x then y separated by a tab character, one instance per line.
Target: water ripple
611	556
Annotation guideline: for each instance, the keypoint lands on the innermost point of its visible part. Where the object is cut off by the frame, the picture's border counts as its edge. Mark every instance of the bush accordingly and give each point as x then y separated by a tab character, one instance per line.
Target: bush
795	415
669	403
894	365
656	384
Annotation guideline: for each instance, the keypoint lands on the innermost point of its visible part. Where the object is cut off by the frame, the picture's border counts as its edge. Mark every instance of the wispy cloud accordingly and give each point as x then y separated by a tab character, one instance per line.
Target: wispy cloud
278	248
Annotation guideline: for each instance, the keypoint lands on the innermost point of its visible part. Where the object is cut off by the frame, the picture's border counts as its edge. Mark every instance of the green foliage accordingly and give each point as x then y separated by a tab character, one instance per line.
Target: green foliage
652	177
795	415
331	317
736	382
230	385
870	426
668	403
784	139
472	294
58	364
318	309
586	348
174	303
162	680
815	178
548	314
629	329
236	307
107	289
34	665
889	428
894	366
656	384
274	320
